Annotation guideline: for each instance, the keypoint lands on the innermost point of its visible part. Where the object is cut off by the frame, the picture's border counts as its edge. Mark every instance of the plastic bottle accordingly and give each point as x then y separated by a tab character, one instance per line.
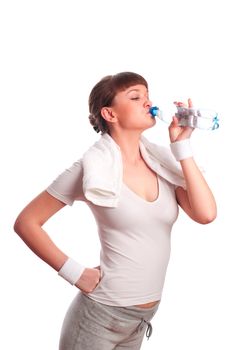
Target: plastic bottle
200	118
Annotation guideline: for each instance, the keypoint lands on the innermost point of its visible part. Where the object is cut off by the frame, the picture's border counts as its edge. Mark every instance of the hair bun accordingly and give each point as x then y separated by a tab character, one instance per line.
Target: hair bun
94	122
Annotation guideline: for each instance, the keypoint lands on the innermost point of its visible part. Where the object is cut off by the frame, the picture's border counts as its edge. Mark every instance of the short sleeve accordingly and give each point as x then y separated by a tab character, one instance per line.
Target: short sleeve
67	187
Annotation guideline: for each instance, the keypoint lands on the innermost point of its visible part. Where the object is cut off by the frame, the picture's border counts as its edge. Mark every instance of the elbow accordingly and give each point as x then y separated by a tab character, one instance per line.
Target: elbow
18	226
207	219
25	224
21	224
206	214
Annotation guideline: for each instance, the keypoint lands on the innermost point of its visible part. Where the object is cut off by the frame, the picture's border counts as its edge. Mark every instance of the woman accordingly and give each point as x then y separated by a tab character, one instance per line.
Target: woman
128	187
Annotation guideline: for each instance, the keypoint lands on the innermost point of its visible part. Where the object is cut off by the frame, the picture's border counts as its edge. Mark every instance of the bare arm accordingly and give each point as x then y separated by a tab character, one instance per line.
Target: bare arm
197	200
28	226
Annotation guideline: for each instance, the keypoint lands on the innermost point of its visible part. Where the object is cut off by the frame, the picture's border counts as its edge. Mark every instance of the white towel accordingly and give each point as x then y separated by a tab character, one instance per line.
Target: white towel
103	168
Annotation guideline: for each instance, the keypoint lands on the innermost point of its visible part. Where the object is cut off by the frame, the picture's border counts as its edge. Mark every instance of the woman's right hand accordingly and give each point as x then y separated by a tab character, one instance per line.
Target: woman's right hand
89	279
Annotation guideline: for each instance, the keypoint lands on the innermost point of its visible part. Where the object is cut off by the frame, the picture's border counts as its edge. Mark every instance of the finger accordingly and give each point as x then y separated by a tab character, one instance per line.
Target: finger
190	104
97	267
180	104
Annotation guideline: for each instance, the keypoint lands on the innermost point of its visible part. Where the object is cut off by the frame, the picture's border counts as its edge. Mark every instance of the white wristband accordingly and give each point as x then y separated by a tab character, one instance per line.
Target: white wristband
71	271
181	149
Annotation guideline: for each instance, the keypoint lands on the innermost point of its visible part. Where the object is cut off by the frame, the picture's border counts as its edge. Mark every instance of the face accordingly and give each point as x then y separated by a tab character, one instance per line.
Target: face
131	108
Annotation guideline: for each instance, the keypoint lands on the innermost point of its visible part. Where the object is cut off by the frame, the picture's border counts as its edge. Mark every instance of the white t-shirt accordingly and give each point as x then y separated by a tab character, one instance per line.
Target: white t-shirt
134	236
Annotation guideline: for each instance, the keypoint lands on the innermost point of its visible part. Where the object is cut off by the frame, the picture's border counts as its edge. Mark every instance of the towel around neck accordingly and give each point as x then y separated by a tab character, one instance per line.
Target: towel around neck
103	168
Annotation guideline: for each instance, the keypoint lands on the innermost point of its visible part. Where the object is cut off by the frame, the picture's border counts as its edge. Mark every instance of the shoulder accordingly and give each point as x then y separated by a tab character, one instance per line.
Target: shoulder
67	186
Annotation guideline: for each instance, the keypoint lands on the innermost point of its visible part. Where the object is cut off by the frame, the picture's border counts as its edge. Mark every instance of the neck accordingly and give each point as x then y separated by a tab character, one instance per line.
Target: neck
129	146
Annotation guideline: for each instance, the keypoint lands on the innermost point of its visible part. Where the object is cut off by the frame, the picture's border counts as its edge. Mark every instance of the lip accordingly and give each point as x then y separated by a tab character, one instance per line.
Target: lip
150	115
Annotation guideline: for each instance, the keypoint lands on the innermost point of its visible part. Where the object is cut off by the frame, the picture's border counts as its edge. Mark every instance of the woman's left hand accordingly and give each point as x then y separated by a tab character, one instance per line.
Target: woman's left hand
176	132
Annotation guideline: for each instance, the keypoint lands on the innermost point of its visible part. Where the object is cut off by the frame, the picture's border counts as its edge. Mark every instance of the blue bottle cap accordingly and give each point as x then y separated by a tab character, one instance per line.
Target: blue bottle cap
154	111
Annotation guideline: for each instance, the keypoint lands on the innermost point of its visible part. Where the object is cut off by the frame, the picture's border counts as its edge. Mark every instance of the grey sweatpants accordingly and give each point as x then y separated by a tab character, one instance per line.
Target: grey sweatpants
90	325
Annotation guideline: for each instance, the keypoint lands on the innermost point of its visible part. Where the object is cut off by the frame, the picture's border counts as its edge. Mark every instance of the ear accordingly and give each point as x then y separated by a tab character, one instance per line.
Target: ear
108	115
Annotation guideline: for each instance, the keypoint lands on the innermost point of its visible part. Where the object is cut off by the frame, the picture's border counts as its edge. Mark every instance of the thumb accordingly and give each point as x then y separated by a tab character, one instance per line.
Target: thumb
174	121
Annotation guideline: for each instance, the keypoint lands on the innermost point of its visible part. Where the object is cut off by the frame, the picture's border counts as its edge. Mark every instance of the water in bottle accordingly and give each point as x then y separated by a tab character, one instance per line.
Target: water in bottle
200	118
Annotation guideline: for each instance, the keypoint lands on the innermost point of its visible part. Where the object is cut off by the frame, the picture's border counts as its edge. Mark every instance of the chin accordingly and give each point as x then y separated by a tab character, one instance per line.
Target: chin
148	127
153	123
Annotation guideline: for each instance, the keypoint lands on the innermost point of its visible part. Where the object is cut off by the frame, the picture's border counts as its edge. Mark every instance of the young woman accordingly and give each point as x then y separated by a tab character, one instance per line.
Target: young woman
128	183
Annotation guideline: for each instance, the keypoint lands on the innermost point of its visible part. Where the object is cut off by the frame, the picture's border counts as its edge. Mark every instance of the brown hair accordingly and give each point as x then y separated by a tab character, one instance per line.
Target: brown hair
103	93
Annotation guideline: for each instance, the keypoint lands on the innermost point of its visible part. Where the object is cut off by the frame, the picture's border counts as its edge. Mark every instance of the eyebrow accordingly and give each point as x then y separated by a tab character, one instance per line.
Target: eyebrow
136	90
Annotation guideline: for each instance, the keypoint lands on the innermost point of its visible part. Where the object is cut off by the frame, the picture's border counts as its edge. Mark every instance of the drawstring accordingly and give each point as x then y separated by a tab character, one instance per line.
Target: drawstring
149	328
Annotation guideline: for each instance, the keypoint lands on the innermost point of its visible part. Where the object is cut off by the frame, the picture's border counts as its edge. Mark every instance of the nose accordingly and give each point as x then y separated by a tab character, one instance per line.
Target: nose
147	102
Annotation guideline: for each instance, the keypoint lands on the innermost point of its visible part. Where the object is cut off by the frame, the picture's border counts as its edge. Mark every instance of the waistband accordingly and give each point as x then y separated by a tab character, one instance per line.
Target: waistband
143	315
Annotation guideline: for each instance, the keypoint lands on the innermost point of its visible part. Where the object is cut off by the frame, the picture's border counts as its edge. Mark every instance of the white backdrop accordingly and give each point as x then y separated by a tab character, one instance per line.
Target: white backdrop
52	53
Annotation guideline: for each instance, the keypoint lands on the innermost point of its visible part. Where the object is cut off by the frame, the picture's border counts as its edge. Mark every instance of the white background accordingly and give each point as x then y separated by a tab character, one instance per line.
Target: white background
52	53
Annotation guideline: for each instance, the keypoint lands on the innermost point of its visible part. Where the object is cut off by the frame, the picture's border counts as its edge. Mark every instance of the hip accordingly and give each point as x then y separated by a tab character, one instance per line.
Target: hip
148	305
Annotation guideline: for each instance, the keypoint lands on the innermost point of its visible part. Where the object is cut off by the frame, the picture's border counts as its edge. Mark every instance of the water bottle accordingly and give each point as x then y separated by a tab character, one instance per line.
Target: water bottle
200	118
